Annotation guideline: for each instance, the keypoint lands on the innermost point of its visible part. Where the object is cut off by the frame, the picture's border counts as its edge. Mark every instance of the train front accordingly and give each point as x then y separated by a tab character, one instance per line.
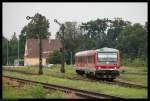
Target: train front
107	63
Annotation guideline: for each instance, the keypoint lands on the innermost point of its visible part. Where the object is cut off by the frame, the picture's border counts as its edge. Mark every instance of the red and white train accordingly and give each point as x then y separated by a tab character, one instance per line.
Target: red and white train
101	63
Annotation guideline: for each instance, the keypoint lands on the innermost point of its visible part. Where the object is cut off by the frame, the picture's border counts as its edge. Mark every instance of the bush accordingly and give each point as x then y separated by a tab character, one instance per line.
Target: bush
125	61
123	71
38	91
55	57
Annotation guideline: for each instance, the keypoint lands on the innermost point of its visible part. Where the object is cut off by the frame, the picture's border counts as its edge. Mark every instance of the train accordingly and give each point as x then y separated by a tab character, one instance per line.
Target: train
101	63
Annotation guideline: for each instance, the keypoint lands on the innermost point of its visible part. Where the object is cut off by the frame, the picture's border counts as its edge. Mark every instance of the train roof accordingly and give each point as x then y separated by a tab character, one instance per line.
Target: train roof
91	52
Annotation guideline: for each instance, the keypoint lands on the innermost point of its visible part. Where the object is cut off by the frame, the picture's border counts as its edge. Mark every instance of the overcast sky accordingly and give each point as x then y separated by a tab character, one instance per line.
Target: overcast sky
14	14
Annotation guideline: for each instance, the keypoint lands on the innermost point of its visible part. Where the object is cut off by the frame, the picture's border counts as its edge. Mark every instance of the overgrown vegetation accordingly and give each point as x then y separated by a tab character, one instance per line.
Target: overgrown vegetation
70	72
37	91
29	92
86	85
137	62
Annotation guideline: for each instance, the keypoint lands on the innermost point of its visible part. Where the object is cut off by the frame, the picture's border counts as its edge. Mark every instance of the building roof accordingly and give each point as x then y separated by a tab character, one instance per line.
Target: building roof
48	46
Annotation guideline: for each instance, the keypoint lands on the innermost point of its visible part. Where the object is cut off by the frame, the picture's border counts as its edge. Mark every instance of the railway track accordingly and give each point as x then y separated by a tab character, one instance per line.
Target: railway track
78	92
115	82
135	73
130	84
120	83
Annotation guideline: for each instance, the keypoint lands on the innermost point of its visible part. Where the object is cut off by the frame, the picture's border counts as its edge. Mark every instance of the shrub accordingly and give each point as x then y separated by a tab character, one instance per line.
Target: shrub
138	62
55	57
125	61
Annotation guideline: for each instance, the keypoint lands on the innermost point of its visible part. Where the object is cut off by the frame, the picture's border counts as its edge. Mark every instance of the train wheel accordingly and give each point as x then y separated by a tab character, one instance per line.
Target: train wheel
96	76
88	74
80	72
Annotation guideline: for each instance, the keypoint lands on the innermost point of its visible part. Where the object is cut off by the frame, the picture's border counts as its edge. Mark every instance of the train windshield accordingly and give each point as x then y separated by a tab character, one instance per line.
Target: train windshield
107	58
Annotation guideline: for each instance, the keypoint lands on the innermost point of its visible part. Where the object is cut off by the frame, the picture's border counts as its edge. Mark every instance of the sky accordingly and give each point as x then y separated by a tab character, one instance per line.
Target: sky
14	14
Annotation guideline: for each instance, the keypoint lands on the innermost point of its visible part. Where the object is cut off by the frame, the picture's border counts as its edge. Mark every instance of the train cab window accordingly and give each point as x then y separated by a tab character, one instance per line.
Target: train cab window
107	58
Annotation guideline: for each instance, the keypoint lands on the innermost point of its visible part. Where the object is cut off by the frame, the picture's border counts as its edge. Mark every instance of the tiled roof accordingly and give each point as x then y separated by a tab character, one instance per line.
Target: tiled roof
32	47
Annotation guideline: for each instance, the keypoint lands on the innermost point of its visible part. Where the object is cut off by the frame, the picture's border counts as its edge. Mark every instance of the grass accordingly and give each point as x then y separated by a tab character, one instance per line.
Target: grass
137	78
85	85
70	73
142	79
140	70
30	92
53	71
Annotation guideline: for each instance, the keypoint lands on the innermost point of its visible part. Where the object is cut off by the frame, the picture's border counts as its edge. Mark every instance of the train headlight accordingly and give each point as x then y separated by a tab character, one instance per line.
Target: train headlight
98	67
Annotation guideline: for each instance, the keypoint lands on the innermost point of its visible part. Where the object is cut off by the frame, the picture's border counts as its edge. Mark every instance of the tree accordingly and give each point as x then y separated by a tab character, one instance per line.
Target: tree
72	39
114	29
132	41
22	41
38	29
103	31
96	30
4	50
13	48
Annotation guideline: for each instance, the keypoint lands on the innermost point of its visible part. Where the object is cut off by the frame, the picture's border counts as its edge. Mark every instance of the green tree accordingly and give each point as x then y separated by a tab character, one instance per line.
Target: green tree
103	32
95	30
13	48
4	50
132	41
114	29
72	39
37	28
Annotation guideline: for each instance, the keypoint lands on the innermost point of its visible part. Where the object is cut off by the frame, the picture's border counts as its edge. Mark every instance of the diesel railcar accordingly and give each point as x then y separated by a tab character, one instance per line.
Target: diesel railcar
100	63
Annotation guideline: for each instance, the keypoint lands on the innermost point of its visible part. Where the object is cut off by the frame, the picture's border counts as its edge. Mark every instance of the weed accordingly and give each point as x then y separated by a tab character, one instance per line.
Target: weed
38	91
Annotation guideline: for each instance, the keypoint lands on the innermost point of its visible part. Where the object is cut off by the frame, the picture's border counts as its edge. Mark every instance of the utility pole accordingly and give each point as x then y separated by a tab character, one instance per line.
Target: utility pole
40	47
18	50
62	28
71	58
7	52
40	55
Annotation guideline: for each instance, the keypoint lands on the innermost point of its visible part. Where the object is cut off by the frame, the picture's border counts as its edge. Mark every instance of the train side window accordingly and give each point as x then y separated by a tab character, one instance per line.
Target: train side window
90	59
87	59
80	59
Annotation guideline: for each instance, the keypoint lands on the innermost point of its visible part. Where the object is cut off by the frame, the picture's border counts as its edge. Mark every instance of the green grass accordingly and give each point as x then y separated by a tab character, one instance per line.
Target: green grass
142	79
52	71
70	73
136	78
30	92
140	70
85	85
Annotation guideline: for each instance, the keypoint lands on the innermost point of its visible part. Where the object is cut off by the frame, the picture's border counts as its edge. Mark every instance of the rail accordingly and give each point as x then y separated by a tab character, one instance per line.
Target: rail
115	82
79	92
